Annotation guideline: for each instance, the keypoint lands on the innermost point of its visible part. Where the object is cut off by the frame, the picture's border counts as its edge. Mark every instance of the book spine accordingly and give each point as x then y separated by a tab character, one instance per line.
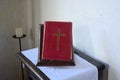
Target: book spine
41	28
43	39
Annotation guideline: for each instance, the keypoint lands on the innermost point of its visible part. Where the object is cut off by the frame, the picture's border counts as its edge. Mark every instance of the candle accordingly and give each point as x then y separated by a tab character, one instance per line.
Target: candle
18	32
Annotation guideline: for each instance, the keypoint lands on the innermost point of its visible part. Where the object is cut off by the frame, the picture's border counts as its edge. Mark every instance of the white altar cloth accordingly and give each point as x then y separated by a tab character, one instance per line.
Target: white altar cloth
83	70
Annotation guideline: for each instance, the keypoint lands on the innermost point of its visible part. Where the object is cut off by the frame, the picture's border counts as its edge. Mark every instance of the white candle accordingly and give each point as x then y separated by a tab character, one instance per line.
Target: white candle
18	32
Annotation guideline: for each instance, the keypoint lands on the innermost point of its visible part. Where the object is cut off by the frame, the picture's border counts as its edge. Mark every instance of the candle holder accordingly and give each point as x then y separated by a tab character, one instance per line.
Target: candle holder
20	48
19	38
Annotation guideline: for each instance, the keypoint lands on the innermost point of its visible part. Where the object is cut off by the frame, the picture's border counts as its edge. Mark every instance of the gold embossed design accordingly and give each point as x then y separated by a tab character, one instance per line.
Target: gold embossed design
58	35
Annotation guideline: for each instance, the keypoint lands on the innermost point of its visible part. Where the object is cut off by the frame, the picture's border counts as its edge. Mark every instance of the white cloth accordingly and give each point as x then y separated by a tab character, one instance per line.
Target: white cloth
83	70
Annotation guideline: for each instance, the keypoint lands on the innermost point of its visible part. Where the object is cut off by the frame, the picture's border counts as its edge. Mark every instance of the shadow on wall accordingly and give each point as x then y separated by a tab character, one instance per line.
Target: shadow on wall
82	38
112	73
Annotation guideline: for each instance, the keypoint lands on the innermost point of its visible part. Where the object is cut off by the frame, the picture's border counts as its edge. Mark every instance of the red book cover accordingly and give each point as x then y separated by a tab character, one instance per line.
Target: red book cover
57	41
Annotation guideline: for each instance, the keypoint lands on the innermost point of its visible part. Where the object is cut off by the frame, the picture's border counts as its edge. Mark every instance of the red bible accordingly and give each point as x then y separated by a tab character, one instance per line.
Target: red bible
56	45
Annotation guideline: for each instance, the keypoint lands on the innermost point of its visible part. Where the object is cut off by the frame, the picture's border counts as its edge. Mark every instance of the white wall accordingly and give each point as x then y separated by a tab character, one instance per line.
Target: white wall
33	21
12	15
95	27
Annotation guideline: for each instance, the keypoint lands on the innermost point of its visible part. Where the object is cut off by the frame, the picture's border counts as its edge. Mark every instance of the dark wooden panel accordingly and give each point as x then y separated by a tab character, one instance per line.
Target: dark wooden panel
32	67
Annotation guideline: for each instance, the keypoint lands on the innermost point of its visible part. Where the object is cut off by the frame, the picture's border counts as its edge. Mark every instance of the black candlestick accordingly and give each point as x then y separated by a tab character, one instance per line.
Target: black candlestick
19	38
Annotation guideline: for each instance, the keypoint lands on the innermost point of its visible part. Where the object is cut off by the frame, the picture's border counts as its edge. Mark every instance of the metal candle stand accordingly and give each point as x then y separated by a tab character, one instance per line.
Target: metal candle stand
19	38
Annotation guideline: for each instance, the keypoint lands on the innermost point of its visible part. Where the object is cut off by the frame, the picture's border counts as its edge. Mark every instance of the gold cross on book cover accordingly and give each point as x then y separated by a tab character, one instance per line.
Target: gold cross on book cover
58	35
56	44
